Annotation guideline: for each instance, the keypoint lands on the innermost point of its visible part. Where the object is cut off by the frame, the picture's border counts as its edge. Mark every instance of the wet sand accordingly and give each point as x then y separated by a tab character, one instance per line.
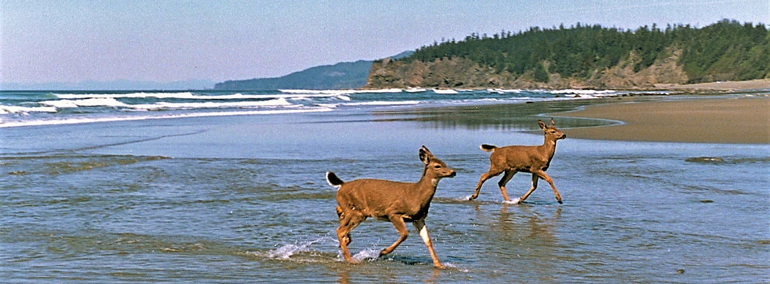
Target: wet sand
720	86
735	121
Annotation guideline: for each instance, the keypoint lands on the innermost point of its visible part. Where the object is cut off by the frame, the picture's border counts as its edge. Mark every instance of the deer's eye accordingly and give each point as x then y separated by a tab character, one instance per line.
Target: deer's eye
437	166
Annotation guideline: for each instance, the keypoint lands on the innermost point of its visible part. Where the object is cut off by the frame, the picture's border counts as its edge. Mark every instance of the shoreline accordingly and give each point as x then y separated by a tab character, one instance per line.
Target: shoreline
698	120
725	86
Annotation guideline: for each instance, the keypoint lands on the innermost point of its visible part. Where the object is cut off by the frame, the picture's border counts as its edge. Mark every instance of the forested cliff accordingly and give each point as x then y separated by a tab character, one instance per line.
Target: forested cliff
585	57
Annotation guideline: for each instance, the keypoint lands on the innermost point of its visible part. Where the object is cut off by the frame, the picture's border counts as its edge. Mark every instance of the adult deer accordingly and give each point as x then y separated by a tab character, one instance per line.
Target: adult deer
530	159
397	202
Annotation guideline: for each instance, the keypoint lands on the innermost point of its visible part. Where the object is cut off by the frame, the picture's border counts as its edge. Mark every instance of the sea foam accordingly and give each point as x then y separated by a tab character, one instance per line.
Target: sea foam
22	110
179	95
92	102
203	105
6	124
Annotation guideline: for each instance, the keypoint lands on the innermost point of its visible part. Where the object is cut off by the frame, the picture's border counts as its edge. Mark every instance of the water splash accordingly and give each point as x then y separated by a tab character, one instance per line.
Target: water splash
286	251
516	200
452	266
367	254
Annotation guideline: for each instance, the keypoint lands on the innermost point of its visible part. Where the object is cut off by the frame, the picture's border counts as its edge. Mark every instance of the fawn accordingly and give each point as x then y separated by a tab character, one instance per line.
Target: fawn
529	159
397	202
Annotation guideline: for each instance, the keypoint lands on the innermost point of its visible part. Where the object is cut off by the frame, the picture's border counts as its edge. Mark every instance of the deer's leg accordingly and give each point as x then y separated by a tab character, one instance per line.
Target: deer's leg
548	179
339	212
341	215
423	231
398	222
484	177
503	181
343	237
531	189
348	222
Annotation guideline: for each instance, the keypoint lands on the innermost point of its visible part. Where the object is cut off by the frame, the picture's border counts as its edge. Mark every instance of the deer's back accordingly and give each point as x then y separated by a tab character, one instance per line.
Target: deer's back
373	197
519	158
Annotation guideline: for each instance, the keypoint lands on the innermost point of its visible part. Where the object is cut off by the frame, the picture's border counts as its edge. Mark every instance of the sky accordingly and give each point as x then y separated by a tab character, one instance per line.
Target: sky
165	41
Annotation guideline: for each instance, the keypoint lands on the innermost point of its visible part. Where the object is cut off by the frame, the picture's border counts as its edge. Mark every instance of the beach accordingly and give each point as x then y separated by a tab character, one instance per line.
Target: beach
733	120
722	86
207	196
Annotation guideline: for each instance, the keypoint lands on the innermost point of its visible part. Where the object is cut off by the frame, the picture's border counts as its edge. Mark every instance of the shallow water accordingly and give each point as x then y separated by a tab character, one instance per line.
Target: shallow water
244	199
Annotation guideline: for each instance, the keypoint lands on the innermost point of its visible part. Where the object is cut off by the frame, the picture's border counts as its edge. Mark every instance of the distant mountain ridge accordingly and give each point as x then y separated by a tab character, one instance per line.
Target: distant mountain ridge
343	75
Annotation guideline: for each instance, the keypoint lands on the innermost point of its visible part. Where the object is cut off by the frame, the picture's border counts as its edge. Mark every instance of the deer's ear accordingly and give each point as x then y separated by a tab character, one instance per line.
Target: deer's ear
425	155
551	122
541	124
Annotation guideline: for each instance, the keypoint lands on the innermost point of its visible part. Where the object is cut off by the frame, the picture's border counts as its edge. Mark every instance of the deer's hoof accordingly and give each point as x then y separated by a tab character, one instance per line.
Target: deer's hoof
383	253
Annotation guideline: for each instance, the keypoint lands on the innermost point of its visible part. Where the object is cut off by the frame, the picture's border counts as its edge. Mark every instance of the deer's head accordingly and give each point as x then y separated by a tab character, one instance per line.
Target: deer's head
434	167
550	131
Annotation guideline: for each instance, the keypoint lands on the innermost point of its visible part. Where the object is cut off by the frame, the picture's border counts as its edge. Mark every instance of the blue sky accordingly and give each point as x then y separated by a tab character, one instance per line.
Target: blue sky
75	40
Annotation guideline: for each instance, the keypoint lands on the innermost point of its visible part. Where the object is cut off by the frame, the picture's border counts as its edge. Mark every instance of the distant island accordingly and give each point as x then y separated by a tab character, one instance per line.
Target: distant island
344	75
585	56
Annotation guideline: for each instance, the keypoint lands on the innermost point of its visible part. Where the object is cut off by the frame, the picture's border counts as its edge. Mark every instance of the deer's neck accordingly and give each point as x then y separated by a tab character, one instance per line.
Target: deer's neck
426	187
549	147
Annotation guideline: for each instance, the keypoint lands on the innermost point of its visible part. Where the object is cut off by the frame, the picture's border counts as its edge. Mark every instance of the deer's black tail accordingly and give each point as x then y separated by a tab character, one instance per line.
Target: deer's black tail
333	180
488	148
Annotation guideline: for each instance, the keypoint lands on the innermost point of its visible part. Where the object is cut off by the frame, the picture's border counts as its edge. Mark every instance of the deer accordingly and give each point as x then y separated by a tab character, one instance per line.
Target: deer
529	159
397	202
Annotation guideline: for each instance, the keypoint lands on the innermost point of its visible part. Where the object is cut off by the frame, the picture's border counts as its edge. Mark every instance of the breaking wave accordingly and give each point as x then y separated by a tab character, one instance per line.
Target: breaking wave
32	108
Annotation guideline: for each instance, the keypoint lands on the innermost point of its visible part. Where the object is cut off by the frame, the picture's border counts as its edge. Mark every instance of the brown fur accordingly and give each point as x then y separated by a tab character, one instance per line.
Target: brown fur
529	159
397	202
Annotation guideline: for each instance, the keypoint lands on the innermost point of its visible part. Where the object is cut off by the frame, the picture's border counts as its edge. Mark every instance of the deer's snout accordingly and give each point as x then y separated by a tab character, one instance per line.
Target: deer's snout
563	136
452	174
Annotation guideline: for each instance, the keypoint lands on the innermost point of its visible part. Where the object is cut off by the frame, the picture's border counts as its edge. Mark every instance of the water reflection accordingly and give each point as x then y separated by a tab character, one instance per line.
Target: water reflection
516	117
377	273
343	276
528	236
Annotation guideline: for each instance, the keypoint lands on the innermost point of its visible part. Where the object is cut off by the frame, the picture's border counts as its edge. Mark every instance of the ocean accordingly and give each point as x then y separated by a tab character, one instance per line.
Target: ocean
28	108
229	187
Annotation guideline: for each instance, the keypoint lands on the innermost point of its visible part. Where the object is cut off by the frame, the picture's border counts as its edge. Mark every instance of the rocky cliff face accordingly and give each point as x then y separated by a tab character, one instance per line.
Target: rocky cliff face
460	73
